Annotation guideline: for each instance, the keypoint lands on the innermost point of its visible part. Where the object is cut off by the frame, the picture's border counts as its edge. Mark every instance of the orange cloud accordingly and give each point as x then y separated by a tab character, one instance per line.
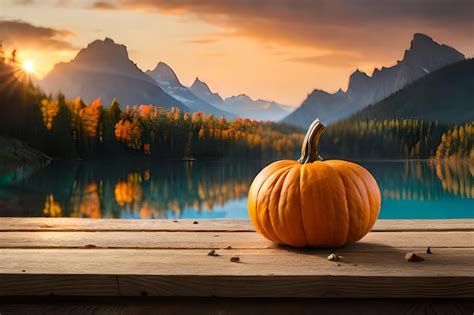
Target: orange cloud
200	40
28	36
364	27
332	60
103	5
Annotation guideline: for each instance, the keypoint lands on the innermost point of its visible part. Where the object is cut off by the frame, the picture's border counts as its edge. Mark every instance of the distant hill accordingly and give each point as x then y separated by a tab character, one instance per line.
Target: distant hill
446	95
167	79
241	105
202	90
244	106
423	57
104	70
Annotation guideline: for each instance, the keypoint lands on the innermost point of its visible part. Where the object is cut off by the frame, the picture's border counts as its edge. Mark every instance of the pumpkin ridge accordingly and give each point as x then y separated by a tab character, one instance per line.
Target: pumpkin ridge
301	206
268	228
355	214
373	207
333	207
258	184
315	215
365	226
262	177
277	226
347	212
368	227
297	168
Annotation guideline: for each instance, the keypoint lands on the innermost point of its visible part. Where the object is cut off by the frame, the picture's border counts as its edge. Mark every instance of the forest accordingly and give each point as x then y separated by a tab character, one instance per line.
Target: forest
398	139
71	129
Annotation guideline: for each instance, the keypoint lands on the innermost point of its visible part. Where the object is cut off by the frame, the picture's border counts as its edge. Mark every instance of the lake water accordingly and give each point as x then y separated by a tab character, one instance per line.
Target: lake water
214	189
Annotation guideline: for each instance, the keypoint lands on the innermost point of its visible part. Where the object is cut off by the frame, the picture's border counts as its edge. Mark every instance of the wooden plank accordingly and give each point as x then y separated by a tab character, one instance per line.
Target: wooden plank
261	273
207	240
80	224
424	225
248	306
217	225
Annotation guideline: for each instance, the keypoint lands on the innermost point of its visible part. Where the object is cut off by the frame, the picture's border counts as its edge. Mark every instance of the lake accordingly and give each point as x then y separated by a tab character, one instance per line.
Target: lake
214	189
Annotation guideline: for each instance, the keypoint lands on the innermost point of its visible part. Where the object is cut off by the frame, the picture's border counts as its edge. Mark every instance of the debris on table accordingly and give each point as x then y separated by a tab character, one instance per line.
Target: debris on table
212	252
334	257
428	250
413	257
235	259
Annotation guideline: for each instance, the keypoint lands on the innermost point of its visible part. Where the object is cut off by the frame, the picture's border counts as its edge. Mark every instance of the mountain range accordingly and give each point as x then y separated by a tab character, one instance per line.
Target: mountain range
241	105
445	95
167	79
423	57
104	70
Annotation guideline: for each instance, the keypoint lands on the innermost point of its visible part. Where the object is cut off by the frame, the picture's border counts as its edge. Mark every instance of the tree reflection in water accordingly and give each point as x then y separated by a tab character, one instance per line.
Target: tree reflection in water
456	176
145	188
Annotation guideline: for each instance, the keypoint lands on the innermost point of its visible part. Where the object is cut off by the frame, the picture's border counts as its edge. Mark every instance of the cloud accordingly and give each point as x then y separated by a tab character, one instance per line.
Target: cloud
200	40
103	5
367	27
25	35
24	2
333	60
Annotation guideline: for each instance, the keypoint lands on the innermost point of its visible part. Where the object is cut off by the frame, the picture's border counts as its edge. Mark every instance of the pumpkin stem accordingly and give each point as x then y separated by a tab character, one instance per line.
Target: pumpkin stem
309	150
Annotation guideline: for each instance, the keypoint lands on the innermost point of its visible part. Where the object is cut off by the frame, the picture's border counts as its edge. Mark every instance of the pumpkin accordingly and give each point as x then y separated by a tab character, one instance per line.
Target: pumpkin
314	202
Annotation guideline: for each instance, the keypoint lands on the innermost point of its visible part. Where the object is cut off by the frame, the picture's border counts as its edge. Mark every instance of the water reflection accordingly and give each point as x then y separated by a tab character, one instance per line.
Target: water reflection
143	188
129	188
456	177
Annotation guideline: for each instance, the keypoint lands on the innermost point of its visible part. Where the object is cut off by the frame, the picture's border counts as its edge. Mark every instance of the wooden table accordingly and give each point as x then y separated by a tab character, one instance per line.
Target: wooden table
150	265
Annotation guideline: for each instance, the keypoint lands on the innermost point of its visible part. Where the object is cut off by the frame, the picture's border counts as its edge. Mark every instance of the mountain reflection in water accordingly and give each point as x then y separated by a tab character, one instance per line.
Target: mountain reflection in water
145	189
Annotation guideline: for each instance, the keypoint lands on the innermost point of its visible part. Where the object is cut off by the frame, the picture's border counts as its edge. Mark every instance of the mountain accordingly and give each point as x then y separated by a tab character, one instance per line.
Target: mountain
446	95
202	90
104	70
167	79
242	105
423	57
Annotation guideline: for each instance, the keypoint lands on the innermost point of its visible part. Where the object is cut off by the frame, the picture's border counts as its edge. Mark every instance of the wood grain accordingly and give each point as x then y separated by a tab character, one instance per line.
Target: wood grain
248	306
209	225
374	241
281	262
132	258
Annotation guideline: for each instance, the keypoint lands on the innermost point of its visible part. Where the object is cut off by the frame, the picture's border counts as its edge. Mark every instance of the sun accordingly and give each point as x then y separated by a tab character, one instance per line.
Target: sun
28	66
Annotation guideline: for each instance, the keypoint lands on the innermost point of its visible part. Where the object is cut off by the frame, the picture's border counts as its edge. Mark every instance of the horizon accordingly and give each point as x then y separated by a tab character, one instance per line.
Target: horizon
194	42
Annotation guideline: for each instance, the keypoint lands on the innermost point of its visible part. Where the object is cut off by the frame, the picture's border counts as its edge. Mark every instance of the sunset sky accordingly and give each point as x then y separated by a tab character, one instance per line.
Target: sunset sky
272	49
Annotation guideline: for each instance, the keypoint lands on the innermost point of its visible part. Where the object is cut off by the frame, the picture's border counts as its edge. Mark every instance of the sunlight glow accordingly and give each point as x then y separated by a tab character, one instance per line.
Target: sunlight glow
28	66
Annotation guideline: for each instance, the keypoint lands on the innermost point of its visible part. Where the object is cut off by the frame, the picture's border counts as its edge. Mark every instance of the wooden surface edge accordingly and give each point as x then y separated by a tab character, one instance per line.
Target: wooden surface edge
210	225
236	286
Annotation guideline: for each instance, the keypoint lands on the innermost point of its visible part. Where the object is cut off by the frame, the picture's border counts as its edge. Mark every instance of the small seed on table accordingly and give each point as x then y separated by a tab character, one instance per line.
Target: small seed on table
428	250
334	257
195	222
212	252
228	247
235	259
413	257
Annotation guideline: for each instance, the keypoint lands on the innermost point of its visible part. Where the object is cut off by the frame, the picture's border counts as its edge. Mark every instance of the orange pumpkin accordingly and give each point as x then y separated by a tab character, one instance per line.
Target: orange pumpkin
312	202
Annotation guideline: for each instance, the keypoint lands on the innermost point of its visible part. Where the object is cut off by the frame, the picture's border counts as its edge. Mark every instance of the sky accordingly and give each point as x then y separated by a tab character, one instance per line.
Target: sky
278	50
